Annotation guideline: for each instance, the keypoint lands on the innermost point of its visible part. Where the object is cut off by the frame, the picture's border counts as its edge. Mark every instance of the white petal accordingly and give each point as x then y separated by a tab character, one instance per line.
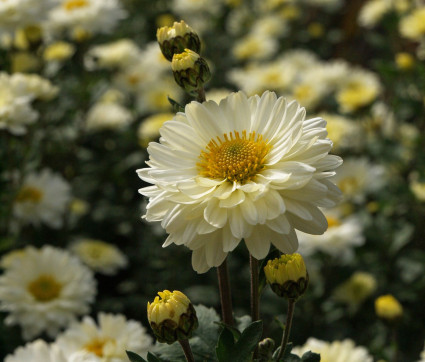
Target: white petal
214	215
280	224
249	211
203	121
199	262
286	243
258	243
316	226
236	198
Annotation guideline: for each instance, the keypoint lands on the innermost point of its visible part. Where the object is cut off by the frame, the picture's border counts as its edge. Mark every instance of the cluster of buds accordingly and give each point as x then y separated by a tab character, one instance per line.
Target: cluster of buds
287	276
181	45
172	317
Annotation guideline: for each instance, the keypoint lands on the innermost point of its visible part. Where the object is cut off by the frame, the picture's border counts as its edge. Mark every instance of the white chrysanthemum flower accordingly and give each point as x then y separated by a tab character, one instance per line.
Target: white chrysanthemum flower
118	54
358	89
357	177
246	168
99	256
108	115
412	25
335	351
37	351
44	290
15	107
34	85
106	342
43	197
344	133
91	16
255	46
373	11
342	235
15	14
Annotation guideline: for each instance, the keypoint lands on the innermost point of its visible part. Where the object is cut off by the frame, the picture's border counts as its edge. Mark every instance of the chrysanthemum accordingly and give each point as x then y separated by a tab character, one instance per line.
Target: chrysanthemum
44	289
99	256
107	341
246	168
37	351
344	350
43	197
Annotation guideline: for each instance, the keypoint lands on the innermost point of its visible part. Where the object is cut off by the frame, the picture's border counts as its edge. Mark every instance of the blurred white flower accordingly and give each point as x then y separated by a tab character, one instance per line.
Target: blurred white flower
99	256
342	235
108	115
255	46
335	351
373	11
15	14
412	25
106	342
149	128
246	168
90	16
118	54
43	197
34	85
357	177
44	290
37	351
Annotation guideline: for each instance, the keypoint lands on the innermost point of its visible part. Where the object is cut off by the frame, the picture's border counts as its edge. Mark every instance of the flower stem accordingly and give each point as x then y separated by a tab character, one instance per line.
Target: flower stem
255	302
201	95
225	294
285	338
187	350
394	344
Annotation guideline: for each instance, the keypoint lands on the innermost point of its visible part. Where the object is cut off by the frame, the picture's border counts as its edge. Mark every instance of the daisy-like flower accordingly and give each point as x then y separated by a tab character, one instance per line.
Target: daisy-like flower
106	342
102	257
44	289
344	350
246	168
37	351
43	197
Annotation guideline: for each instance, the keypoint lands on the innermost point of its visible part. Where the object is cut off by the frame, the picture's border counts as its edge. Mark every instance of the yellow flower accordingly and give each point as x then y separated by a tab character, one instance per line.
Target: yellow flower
389	308
404	61
58	51
172	316
356	289
287	275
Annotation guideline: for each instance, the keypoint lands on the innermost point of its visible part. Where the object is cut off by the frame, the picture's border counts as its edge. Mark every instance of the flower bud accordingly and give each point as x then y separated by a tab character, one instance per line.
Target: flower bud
172	317
265	349
287	276
388	308
190	70
175	39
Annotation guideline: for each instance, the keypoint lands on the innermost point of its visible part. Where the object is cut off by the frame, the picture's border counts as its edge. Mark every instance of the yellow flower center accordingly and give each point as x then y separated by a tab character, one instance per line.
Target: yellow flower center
236	158
29	194
333	221
45	288
96	346
75	4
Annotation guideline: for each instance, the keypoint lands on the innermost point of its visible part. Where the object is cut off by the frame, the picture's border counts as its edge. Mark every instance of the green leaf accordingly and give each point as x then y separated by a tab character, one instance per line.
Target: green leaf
228	350
177	107
153	358
134	357
310	357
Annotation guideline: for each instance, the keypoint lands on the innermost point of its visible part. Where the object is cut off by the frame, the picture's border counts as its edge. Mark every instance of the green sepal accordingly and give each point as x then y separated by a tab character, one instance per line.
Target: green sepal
134	357
177	107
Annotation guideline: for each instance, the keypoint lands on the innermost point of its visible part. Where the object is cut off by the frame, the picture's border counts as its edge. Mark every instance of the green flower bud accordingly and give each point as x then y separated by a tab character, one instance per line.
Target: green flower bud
287	276
265	349
190	70
175	39
172	317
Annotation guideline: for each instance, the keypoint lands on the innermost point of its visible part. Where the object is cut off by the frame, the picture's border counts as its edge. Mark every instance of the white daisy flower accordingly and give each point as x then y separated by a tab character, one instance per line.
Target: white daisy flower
357	177
43	197
106	342
91	16
37	351
108	115
342	235
99	256
246	168
44	289
344	350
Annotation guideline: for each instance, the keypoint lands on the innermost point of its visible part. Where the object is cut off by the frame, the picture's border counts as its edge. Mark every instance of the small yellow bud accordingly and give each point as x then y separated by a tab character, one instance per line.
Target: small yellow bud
388	308
175	39
172	316
316	30
190	70
287	276
404	61
58	51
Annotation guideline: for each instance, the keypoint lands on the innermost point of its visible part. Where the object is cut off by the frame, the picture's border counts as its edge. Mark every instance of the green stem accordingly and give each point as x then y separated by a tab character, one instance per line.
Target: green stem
285	337
394	343
225	294
255	302
187	350
201	95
